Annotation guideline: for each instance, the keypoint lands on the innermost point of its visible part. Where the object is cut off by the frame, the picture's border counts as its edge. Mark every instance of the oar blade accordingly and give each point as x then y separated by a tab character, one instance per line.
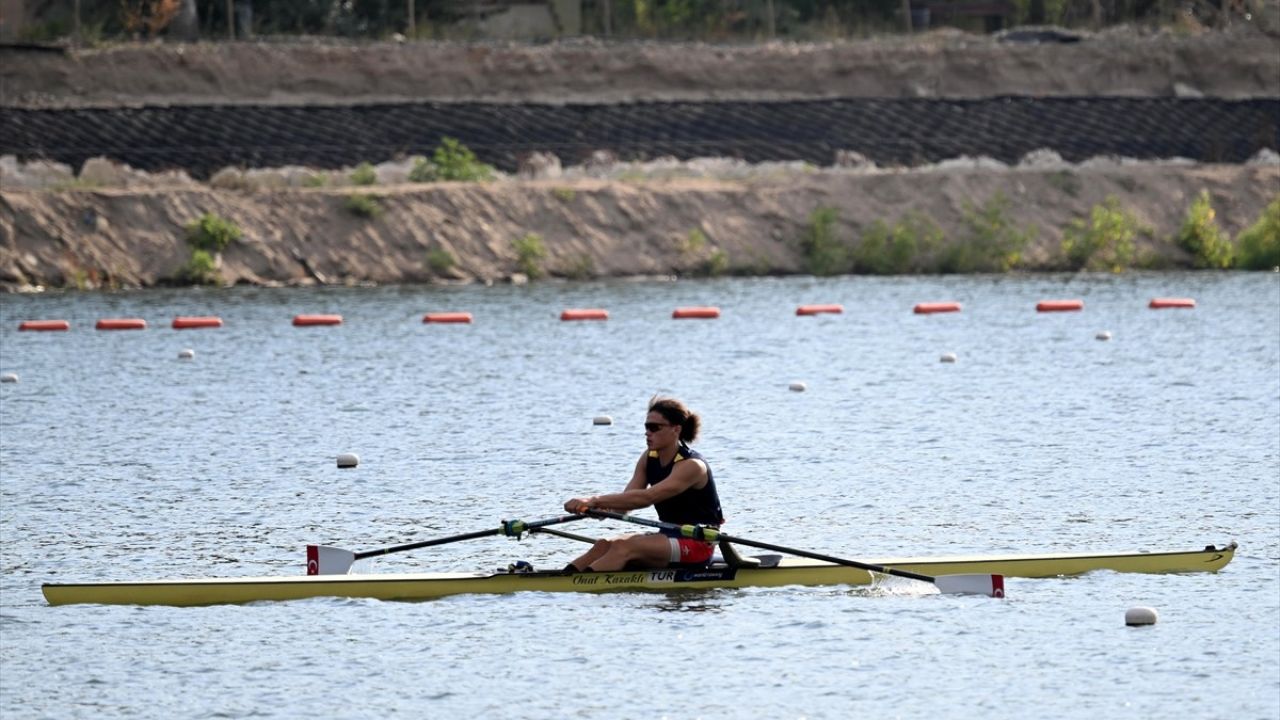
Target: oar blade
989	585
325	560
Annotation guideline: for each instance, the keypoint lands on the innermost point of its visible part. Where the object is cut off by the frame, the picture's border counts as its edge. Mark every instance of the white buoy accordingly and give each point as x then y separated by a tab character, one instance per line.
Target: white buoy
1140	615
797	386
348	460
948	357
602	420
1104	335
187	354
9	377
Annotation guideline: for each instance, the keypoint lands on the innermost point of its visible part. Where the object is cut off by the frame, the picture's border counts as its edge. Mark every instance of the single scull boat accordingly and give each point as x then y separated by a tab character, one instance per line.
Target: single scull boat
771	572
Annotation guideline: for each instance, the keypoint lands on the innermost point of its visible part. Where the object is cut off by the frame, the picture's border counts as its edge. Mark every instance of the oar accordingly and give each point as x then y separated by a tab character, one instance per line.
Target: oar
991	585
563	534
325	560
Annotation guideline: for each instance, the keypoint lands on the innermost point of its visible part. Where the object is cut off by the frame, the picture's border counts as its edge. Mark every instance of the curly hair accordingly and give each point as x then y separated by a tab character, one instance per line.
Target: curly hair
676	413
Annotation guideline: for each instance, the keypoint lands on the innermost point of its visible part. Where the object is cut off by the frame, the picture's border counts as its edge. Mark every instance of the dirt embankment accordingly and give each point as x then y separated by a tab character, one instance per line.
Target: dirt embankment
941	64
590	228
105	237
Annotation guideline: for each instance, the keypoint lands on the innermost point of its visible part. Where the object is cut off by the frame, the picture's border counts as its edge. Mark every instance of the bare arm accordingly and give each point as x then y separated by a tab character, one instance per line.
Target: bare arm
686	474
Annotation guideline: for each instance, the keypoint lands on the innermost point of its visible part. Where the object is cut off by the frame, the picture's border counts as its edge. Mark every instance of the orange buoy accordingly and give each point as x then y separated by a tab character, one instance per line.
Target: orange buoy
930	308
705	313
44	325
310	320
188	323
121	324
1158	303
584	314
447	317
1059	305
804	310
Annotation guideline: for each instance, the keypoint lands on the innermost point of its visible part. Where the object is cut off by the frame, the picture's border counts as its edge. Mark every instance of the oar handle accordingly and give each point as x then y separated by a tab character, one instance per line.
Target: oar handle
699	532
510	528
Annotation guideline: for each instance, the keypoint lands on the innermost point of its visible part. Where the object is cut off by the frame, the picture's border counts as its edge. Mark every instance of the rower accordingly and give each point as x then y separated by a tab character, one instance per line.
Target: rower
676	481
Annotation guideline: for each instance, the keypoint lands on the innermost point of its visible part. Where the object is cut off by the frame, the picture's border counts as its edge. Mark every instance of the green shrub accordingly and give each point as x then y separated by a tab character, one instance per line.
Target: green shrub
896	250
991	242
582	268
694	242
424	171
716	265
1259	245
530	252
201	269
564	195
315	180
456	162
1209	245
364	206
364	174
1104	242
440	261
824	253
212	233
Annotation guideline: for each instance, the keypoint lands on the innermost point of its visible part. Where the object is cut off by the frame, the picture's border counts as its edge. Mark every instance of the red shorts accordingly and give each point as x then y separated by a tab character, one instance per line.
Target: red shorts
690	551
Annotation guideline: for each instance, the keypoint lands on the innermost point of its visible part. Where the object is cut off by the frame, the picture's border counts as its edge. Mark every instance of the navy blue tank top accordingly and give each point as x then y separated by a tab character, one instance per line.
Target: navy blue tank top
693	506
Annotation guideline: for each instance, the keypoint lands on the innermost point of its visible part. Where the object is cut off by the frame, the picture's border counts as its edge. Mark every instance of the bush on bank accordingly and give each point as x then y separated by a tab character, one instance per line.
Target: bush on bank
1259	246
1208	244
208	235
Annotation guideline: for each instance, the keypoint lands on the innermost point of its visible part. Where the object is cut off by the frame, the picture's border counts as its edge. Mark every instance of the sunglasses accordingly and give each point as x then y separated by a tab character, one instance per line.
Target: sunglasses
655	427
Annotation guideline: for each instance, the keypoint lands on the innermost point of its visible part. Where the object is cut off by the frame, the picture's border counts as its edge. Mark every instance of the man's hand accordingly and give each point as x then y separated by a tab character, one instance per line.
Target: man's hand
578	506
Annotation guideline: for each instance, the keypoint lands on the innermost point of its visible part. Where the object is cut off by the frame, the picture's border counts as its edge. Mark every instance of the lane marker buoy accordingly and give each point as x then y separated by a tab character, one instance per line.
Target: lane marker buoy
44	325
194	322
316	320
121	324
807	310
797	386
1059	305
447	318
348	460
602	420
187	354
9	378
1161	303
1140	615
584	314
696	313
1104	335
931	308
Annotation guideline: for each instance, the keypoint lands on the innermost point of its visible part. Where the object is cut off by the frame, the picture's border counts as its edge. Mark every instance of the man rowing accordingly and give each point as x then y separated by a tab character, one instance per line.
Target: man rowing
669	476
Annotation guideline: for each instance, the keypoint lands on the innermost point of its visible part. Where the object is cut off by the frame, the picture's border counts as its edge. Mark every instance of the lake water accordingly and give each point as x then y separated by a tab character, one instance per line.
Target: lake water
120	461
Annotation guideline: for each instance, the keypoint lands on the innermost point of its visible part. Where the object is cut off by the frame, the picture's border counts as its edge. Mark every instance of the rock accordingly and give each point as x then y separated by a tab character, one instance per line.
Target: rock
37	175
103	172
853	160
1042	158
540	166
1182	90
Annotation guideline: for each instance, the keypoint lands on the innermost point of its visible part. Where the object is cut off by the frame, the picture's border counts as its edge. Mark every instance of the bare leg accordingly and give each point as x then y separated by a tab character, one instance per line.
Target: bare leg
596	552
644	550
